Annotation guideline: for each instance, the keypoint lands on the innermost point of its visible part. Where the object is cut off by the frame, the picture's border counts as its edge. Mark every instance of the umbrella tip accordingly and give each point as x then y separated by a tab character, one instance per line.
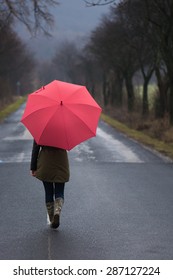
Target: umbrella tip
61	103
43	87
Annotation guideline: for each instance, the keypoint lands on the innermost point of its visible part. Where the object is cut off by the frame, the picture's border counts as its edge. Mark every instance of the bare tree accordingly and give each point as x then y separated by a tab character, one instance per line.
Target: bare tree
110	43
34	14
91	3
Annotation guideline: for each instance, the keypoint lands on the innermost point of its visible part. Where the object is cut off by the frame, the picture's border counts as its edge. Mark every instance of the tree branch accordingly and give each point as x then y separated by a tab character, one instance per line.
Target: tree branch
91	3
33	14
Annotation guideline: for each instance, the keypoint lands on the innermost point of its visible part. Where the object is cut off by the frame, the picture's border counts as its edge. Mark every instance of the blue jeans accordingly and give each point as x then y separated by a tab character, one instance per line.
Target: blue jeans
53	191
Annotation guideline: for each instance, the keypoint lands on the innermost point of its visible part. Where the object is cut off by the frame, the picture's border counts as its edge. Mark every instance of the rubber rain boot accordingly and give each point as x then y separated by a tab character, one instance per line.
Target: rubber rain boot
57	211
50	211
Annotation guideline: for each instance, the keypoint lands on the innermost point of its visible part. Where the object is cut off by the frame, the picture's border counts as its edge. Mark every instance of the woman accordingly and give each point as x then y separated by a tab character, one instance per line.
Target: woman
51	166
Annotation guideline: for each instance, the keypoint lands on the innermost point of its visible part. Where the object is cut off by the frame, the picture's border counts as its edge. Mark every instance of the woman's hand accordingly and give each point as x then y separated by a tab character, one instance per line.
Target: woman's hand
33	173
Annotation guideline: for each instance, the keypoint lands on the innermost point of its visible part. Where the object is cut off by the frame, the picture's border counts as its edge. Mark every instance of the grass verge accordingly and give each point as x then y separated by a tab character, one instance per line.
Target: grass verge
160	146
12	108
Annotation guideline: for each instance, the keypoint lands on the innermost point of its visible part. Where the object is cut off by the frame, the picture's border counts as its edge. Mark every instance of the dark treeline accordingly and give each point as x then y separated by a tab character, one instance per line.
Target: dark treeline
17	63
136	37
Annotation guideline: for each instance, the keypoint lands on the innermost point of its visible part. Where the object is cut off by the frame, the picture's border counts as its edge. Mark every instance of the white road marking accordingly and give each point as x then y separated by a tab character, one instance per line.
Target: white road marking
81	150
119	151
9	157
25	136
116	150
15	157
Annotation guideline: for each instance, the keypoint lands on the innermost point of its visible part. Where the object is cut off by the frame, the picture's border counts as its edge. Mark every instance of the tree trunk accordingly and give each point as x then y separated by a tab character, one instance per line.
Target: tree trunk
163	86
105	91
170	81
171	104
130	93
145	105
119	89
117	92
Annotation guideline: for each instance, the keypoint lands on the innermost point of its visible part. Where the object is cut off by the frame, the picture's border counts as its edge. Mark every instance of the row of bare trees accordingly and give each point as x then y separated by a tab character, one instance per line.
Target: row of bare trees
137	36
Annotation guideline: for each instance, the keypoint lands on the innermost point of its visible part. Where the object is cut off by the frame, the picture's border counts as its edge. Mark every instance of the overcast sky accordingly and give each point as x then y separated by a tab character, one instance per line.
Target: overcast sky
73	21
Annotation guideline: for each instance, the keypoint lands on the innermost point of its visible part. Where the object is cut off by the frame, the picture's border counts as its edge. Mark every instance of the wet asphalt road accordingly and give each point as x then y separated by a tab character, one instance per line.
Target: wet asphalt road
118	203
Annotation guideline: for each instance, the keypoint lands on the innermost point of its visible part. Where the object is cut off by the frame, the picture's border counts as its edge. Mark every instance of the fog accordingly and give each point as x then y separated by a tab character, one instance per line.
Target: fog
73	22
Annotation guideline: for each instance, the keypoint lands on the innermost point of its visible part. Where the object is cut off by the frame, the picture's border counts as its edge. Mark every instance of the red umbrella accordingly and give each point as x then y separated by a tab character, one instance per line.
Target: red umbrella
61	115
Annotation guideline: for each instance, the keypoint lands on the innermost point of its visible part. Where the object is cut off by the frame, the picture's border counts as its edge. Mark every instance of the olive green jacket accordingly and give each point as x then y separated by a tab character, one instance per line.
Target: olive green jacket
51	164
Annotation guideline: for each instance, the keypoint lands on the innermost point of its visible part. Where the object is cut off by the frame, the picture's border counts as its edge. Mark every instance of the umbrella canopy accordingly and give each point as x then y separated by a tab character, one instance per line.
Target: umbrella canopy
61	115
